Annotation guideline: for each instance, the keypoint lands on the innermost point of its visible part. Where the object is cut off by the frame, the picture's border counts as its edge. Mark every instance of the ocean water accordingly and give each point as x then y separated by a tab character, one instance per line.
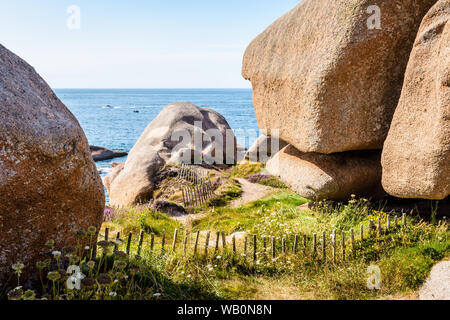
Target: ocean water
108	116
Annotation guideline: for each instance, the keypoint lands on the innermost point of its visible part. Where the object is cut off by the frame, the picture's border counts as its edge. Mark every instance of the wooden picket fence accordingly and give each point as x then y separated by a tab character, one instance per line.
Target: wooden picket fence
266	247
201	189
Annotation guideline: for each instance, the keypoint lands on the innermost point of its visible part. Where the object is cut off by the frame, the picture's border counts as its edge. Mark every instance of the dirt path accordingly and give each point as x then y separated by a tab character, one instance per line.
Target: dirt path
251	192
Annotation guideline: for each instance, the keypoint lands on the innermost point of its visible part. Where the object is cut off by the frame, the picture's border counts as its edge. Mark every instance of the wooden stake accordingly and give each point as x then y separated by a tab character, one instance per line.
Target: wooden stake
254	248
152	242
106	234
224	241
196	242
234	245
175	236
116	246
404	220
343	245
314	245
333	245
163	241
324	246
130	236
208	235
141	240
305	247
388	222
217	242
185	242
273	248
294	248
352	237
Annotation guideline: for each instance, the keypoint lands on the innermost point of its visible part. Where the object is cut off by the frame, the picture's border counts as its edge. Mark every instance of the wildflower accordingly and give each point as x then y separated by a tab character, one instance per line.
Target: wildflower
120	264
18	267
91	264
189	276
105	244
219	257
88	282
120	254
116	281
92	230
40	265
15	294
50	244
87	248
29	295
104	278
80	234
56	254
113	294
157	295
53	275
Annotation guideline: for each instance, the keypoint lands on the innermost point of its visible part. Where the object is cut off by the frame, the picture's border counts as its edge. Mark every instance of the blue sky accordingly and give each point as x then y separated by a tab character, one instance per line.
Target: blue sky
137	43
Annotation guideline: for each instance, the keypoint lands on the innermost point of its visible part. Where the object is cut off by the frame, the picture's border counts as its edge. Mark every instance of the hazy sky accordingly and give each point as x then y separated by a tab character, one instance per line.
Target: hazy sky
137	43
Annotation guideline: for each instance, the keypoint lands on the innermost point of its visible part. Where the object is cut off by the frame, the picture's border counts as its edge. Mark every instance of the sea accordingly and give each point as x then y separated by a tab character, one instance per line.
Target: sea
115	118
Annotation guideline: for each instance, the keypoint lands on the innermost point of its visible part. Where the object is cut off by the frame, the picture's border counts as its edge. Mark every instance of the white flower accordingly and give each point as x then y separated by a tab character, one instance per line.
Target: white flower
113	294
219	257
56	253
189	276
86	248
74	281
115	281
157	295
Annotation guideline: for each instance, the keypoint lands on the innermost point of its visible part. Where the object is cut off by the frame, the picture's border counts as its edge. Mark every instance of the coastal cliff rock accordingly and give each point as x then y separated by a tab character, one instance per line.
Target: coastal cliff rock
181	133
49	186
326	80
416	155
261	150
333	177
101	153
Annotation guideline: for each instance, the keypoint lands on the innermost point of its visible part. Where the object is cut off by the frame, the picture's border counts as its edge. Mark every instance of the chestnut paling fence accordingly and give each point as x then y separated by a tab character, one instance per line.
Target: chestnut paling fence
337	247
201	189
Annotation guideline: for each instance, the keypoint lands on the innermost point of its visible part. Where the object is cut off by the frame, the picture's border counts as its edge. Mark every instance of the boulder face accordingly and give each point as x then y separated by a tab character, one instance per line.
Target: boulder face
416	155
331	177
102	153
325	80
181	133
264	148
49	186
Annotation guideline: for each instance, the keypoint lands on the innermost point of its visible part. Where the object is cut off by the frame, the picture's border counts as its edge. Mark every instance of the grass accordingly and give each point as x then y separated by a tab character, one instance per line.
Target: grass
405	256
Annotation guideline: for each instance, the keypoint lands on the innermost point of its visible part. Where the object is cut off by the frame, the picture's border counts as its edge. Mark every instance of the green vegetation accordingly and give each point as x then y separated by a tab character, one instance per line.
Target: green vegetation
405	256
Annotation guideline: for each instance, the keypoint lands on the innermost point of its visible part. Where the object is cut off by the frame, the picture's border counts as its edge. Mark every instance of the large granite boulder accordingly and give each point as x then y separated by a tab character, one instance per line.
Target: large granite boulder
102	153
264	148
416	155
181	133
49	186
326	80
332	177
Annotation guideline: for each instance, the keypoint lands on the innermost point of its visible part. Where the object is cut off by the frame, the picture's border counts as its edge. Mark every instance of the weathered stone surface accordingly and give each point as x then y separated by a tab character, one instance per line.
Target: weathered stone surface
416	155
49	186
332	177
261	150
327	81
102	153
168	207
131	183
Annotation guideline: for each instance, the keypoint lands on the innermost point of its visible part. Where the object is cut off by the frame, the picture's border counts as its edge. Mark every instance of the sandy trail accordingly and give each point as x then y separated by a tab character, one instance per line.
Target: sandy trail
251	192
